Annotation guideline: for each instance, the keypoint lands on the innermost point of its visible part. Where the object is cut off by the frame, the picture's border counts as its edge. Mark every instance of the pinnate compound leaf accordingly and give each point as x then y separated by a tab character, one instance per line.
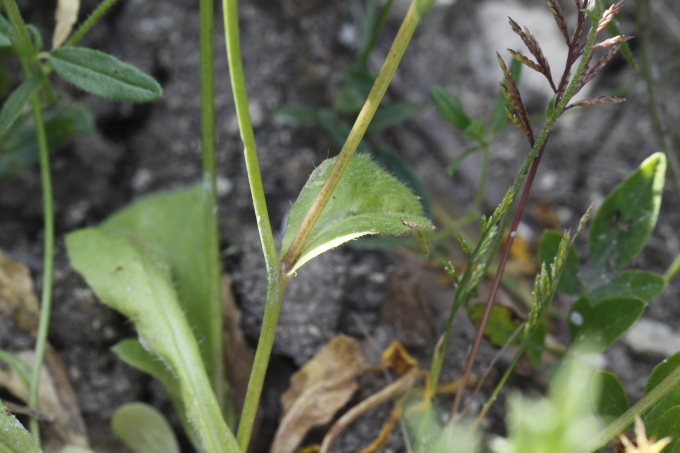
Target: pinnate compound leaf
449	107
669	426
104	75
16	102
13	436
643	285
627	216
367	201
609	398
139	287
594	327
547	251
143	429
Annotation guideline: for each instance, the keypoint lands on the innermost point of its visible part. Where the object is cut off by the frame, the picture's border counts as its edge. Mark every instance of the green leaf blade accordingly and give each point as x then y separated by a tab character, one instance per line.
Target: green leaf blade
104	75
16	102
449	107
627	216
393	114
669	426
643	285
13	436
143	429
609	398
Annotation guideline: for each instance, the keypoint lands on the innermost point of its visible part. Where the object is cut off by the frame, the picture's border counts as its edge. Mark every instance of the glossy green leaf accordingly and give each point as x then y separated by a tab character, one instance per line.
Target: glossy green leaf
170	225
595	327
132	353
16	102
608	396
20	151
393	114
13	436
367	201
21	368
299	114
547	251
143	429
498	117
138	285
640	284
503	321
453	166
669	426
449	107
104	75
627	217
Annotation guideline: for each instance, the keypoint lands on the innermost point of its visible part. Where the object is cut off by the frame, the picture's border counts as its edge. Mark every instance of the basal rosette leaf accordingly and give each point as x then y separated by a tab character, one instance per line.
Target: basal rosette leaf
367	201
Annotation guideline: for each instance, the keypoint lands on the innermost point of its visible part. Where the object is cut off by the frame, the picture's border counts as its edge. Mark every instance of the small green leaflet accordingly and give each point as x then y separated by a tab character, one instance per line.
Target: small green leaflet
366	201
104	75
609	398
16	102
143	429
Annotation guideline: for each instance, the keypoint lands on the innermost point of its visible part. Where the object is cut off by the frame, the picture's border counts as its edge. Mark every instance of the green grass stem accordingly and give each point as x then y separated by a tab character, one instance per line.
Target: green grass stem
89	22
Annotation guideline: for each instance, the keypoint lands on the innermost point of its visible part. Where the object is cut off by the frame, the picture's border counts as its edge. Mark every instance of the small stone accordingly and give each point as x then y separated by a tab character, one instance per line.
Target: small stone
141	180
348	35
652	339
224	186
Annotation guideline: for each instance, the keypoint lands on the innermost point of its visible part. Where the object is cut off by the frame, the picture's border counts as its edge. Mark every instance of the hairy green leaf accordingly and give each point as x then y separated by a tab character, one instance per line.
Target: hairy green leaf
367	201
547	251
138	285
16	102
640	284
143	429
104	75
627	216
608	396
449	107
13	436
594	327
393	114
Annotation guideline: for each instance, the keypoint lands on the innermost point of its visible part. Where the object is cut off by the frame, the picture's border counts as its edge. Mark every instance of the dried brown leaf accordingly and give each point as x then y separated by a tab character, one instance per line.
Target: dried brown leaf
17	299
596	100
556	11
611	41
65	16
609	15
395	358
321	387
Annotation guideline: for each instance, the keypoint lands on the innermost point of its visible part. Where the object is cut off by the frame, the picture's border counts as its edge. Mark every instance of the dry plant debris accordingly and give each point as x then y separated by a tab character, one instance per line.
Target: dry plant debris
318	390
644	445
17	299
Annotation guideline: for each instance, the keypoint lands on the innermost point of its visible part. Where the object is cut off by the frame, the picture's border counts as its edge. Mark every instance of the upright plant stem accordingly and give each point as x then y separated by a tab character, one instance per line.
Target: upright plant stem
642	14
276	281
212	256
90	21
673	270
402	39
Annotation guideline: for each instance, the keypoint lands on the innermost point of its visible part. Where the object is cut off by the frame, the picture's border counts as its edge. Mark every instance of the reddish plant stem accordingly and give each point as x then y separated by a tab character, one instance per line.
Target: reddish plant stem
496	283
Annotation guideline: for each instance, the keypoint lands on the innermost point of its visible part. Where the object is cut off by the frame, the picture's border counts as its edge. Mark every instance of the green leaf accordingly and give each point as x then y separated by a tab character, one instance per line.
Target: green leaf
16	102
498	117
594	327
4	40
143	429
14	438
671	399
547	251
453	166
21	150
449	107
348	100
171	226
475	131
21	368
551	106
367	201
299	114
5	32
359	79
104	75
422	7
340	131
503	321
614	30
393	114
132	353
661	371
669	426
138	285
627	217
640	284
609	398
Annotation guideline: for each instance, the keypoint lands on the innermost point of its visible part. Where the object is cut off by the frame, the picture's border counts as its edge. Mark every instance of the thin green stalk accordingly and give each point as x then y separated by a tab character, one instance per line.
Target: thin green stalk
642	14
642	406
276	282
89	22
672	270
401	41
212	257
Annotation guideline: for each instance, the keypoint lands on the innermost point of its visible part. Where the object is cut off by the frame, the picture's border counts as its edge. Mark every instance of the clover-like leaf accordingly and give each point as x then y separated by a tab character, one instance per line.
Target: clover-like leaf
643	285
367	201
609	398
104	75
627	216
669	426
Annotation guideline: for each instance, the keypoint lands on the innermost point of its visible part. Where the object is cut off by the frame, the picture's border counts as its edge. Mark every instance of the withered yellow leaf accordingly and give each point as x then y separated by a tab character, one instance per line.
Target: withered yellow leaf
65	16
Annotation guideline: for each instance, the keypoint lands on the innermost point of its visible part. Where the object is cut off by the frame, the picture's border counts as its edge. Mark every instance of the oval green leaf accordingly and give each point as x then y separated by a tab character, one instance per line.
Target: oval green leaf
669	426
661	371
671	399
16	102
627	217
609	398
449	107
640	284
104	75
367	201
143	429
593	328
13	436
547	251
